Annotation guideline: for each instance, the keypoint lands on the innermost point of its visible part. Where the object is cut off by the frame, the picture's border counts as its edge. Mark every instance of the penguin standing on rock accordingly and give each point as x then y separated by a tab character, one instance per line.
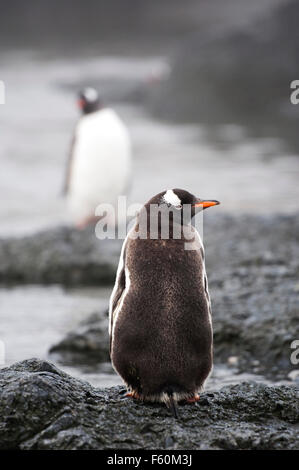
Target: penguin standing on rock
99	164
160	322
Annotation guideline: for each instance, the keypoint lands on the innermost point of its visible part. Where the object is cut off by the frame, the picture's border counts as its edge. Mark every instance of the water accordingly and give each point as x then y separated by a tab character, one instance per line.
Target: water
34	318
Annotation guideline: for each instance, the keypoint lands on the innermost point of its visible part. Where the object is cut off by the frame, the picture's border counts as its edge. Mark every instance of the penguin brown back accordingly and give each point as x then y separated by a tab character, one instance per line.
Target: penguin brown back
160	315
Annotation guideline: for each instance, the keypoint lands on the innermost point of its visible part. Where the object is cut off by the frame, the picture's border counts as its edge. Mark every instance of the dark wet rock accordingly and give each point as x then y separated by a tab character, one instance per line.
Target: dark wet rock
41	407
88	343
62	256
253	280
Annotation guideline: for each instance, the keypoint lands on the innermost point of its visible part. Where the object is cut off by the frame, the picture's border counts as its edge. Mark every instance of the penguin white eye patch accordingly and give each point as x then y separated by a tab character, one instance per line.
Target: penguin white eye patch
171	198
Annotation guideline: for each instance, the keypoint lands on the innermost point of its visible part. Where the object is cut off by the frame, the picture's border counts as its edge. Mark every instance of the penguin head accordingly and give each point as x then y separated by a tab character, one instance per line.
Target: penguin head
89	100
177	199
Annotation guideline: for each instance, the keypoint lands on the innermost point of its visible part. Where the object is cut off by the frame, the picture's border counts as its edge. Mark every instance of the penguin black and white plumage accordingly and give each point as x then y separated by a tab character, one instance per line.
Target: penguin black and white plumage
99	164
160	314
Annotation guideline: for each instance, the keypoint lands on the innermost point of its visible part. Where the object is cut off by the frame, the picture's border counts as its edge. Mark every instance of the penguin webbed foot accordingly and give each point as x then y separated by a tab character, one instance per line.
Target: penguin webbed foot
133	394
193	399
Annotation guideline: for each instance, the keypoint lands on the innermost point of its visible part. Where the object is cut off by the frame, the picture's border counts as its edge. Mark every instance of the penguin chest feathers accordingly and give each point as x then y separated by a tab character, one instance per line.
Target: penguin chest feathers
101	161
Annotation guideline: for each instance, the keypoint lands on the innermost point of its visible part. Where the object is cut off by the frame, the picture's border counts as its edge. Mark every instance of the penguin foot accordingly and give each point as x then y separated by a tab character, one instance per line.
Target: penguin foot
193	399
133	395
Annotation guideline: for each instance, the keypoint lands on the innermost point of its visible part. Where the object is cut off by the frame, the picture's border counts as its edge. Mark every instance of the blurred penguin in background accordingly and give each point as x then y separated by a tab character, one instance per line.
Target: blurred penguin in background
99	164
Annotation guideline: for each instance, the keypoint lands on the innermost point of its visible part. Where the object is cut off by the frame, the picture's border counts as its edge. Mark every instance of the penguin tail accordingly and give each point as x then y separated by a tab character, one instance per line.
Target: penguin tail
173	407
171	402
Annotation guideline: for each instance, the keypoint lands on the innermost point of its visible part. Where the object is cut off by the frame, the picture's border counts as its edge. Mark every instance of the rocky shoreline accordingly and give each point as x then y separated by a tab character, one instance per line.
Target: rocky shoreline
253	279
41	407
86	343
253	267
59	256
252	264
71	257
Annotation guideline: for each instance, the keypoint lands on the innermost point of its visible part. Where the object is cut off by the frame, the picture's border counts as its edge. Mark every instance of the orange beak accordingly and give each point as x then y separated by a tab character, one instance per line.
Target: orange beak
205	204
81	103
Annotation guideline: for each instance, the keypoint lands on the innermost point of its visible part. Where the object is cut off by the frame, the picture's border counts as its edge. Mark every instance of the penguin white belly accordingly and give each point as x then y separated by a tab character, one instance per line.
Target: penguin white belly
101	163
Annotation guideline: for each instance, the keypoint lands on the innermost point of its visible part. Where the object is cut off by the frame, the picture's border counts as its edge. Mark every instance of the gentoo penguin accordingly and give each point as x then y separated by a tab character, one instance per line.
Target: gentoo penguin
99	164
159	313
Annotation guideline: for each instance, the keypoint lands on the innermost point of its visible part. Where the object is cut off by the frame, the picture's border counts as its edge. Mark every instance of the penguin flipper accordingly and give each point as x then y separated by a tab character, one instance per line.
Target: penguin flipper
119	287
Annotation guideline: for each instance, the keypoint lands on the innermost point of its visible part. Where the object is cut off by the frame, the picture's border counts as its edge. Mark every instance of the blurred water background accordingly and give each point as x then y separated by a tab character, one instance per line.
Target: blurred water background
203	88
